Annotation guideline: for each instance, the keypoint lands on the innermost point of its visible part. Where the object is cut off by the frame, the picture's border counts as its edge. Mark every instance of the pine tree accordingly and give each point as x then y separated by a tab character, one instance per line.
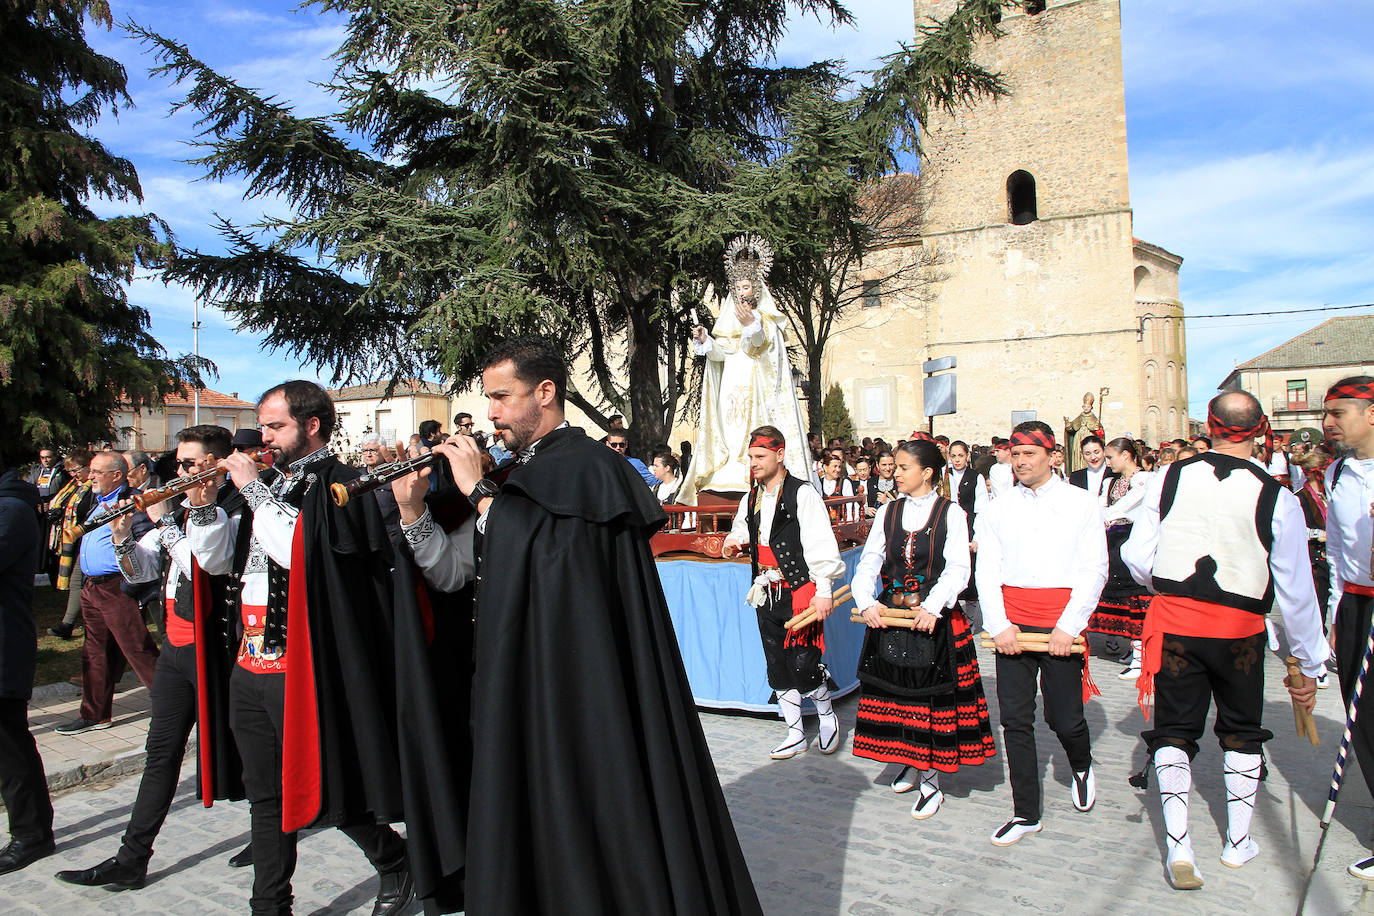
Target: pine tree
835	420
72	346
569	167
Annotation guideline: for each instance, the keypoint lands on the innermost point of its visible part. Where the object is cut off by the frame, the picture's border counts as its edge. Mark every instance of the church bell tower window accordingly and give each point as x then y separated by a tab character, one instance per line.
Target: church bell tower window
1021	198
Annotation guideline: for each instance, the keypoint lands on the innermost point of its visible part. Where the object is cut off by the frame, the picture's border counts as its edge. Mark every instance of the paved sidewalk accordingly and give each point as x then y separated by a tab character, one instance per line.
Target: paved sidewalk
71	760
822	839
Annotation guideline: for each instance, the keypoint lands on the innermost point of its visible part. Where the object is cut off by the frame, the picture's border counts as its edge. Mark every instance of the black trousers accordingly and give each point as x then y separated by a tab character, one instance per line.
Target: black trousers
173	713
256	713
1352	635
1193	670
789	668
1061	684
23	784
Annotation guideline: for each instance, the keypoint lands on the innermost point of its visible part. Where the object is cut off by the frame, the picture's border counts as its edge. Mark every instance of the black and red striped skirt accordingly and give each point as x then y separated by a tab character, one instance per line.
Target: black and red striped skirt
942	731
1121	607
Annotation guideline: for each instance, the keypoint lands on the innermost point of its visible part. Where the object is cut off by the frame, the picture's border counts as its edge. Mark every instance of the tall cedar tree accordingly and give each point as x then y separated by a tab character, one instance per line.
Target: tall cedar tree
72	345
836	422
567	167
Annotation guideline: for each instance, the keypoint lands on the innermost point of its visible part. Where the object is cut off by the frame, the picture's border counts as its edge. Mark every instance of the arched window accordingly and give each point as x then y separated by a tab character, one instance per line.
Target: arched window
1021	198
1142	280
1161	335
1152	425
1171	380
1150	371
1174	428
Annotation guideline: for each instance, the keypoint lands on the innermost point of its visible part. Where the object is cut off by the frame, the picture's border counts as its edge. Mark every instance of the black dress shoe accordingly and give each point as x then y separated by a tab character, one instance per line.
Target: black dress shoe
243	858
397	892
22	852
62	630
110	874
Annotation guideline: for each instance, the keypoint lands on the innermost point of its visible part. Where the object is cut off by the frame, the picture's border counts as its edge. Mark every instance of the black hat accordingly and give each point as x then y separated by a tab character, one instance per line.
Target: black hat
248	438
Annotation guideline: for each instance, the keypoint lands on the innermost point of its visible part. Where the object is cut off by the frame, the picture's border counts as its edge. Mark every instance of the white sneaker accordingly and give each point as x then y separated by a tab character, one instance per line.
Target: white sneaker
1183	873
927	805
1362	869
906	780
1234	856
1012	831
1084	790
1323	682
1131	673
789	748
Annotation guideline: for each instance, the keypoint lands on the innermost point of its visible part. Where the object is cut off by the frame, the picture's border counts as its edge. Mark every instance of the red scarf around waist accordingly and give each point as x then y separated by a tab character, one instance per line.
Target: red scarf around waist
810	635
1041	607
1181	616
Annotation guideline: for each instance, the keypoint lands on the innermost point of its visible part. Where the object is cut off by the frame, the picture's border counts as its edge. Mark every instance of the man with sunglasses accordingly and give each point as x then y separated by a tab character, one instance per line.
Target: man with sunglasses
115	631
618	440
163	555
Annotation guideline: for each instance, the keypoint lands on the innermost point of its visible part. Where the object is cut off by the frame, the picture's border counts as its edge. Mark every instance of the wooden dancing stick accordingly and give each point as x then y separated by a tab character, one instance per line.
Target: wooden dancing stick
1076	649
905	623
1306	725
808	617
1025	638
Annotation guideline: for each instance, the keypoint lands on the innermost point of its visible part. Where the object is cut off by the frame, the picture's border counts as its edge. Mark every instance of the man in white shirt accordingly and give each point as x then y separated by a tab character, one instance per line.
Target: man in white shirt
1219	542
1042	562
1000	476
783	524
1349	420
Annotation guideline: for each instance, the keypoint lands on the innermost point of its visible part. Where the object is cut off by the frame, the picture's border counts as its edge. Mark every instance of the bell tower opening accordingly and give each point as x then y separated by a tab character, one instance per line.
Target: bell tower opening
1021	198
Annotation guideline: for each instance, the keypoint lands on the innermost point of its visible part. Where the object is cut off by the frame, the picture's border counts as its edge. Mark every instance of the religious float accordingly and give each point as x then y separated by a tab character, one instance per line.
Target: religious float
747	382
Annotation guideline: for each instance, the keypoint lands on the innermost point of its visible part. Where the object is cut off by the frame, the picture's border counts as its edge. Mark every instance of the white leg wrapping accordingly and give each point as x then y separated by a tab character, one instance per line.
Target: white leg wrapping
829	722
1175	776
1242	785
789	705
930	782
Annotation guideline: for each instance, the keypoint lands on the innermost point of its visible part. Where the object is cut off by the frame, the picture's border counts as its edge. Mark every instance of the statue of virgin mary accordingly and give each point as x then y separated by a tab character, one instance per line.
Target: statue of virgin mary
747	380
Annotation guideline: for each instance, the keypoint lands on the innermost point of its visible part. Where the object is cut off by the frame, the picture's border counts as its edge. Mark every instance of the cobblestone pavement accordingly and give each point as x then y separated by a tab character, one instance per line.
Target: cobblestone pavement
822	838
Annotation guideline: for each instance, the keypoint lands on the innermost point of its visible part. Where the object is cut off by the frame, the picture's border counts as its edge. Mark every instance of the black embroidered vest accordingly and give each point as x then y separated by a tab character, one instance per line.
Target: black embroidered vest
918	568
785	537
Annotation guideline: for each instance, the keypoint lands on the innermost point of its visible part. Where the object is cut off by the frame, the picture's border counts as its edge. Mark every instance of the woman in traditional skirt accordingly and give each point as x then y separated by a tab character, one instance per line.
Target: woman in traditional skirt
922	704
1121	608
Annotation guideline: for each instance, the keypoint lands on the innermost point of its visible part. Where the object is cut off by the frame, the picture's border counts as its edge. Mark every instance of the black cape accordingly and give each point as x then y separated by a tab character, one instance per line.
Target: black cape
593	789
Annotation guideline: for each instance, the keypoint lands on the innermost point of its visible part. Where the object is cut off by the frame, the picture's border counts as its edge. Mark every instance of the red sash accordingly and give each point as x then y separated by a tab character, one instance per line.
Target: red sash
179	632
1041	607
1185	617
1353	589
812	634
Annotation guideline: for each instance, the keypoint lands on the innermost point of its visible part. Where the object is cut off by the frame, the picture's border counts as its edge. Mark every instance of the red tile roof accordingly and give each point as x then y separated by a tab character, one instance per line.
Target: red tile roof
208	398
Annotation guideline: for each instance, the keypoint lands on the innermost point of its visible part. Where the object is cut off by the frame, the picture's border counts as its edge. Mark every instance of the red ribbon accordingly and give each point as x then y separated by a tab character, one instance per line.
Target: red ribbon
1360	391
1242	433
1035	437
767	442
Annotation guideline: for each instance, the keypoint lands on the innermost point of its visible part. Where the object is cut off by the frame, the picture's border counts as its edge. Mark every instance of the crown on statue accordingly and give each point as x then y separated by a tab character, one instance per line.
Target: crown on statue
748	257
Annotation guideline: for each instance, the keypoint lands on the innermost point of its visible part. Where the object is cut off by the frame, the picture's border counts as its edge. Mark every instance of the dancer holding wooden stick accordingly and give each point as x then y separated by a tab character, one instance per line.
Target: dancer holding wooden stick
1219	541
1042	562
1349	420
795	559
922	703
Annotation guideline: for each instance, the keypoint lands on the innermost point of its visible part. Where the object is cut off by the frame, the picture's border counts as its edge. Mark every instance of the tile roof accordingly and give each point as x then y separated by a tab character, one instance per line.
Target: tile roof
1335	342
208	398
373	390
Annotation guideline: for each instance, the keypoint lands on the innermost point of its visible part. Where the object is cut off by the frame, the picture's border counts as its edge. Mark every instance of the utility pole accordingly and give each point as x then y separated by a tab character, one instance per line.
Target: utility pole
195	347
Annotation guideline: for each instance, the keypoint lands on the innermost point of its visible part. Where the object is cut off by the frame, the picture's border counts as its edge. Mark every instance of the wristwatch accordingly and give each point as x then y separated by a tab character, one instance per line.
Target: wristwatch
482	490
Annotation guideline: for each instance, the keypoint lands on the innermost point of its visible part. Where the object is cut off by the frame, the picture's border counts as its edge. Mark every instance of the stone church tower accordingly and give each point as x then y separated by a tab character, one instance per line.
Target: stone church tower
1040	288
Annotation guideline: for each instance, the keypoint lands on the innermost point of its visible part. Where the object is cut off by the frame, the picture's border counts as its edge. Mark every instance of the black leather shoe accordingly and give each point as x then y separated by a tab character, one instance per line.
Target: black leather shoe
62	630
243	858
397	892
20	853
110	874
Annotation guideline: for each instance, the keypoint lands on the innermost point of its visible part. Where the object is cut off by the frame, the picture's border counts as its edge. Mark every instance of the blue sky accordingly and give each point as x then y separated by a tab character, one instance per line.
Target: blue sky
1250	137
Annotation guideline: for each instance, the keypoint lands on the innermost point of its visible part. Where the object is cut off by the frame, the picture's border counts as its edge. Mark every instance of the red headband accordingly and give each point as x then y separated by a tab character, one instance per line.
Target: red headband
921	435
1360	391
1033	437
767	442
1241	434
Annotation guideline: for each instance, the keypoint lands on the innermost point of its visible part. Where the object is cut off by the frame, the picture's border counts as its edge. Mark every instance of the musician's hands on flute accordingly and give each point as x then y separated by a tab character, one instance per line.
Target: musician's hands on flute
410	492
1008	641
1304	695
122	527
198	496
242	469
464	459
1061	643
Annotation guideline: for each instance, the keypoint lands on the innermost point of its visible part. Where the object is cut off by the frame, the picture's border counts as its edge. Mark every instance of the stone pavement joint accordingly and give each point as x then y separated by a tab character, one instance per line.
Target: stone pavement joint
820	836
